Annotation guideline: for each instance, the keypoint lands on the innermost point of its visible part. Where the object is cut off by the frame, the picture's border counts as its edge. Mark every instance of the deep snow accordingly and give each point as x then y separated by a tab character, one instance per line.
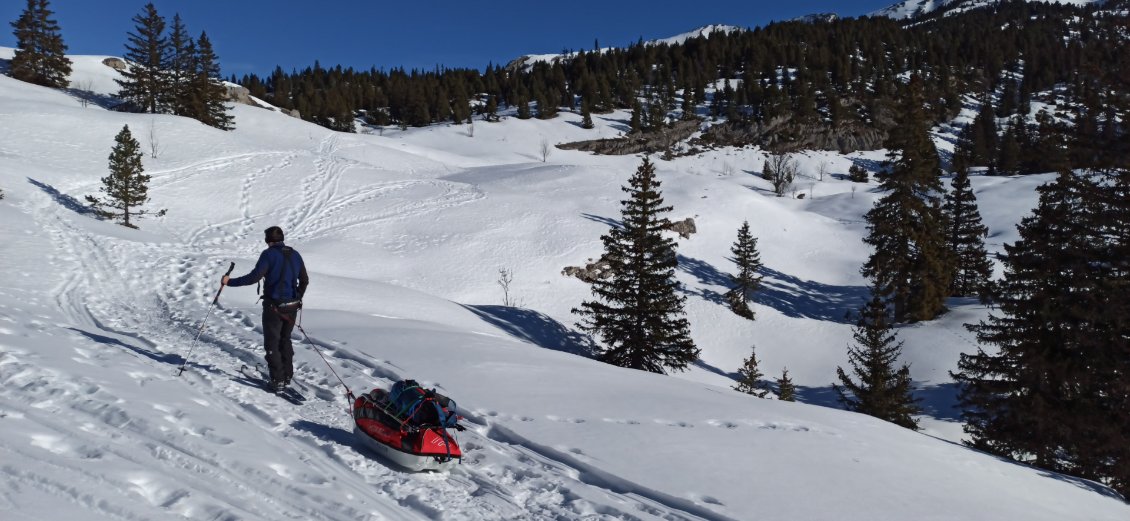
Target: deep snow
404	233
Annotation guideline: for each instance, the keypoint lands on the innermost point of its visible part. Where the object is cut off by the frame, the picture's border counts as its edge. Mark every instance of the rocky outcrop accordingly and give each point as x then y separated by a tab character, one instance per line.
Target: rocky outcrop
684	227
782	134
645	142
239	94
117	64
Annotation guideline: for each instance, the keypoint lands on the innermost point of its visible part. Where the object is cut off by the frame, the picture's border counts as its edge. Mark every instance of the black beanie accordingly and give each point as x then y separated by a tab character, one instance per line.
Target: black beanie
273	234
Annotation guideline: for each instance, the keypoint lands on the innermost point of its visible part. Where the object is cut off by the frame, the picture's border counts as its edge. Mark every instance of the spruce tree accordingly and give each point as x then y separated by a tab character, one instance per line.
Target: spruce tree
748	279
910	265
749	377
586	115
965	240
209	96
786	390
638	314
1053	391
882	391
126	189
523	103
635	124
40	56
490	113
145	83
182	70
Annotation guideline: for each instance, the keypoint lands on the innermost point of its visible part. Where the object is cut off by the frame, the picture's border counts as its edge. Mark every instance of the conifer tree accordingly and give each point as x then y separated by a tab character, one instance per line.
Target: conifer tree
749	377
1008	159
1053	392
635	124
747	280
209	96
881	391
126	189
40	56
586	114
145	83
688	107
910	265
983	136
491	110
786	390
638	313
182	69
523	103
965	240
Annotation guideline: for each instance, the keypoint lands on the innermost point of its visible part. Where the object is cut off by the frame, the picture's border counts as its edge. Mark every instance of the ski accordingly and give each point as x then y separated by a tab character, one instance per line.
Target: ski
260	377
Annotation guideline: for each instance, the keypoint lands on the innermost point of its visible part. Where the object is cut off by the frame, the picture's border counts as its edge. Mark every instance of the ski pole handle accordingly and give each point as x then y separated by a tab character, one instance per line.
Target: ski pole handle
217	298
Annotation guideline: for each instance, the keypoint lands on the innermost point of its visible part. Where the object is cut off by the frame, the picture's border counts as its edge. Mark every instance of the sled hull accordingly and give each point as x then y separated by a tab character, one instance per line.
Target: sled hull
409	461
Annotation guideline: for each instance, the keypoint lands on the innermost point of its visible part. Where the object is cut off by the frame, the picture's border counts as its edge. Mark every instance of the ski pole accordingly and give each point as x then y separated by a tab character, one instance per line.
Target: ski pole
206	315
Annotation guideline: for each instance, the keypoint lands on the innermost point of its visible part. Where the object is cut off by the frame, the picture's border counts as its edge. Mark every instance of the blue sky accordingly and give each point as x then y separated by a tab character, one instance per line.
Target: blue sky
253	36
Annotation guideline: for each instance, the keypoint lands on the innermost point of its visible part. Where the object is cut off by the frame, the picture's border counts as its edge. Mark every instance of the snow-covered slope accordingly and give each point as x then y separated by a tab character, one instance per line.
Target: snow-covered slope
404	234
705	31
912	8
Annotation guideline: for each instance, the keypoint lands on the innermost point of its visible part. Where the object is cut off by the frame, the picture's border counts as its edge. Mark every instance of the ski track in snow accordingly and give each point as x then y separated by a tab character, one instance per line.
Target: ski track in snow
142	299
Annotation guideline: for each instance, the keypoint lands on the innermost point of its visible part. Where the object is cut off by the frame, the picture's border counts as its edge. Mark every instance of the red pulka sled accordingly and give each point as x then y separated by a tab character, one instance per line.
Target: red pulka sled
408	425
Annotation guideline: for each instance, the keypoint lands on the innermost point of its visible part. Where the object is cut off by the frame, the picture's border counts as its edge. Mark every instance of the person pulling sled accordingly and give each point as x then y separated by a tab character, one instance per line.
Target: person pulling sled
283	273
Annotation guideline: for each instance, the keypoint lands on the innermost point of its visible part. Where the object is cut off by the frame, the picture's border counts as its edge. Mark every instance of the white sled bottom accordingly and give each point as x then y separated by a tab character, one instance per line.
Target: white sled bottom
408	461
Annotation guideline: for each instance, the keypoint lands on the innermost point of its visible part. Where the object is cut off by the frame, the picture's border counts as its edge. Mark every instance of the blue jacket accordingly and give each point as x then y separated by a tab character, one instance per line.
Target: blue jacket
284	273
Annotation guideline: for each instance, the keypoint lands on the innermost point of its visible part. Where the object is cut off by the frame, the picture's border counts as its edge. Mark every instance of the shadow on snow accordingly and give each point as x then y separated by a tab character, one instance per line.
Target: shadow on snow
790	295
67	201
536	328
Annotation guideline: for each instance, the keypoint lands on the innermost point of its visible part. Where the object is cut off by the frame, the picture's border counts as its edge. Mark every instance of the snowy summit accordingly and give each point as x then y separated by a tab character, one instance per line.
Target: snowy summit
913	8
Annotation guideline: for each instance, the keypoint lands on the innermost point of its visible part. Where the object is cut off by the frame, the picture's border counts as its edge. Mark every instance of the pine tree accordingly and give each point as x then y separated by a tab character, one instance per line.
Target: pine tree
209	96
1008	160
182	70
635	124
523	104
126	189
749	377
145	83
910	265
586	115
965	240
490	113
882	391
40	56
1053	392
748	280
786	390
983	136
638	313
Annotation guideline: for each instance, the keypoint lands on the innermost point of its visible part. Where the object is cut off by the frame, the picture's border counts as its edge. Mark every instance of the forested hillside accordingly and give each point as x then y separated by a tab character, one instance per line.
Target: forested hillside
825	84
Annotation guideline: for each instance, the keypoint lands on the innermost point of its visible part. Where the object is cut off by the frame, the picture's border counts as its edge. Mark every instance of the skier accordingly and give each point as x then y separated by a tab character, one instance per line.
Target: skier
286	282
